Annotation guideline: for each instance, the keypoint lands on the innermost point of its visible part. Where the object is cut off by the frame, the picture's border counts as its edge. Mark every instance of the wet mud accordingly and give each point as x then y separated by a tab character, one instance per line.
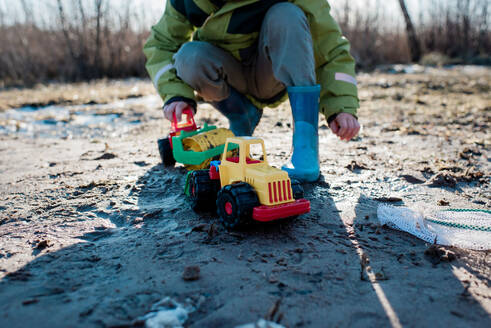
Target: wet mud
94	231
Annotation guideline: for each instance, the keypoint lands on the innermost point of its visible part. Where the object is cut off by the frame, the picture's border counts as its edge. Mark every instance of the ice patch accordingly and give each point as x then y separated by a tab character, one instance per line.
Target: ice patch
420	69
94	119
91	120
167	314
261	323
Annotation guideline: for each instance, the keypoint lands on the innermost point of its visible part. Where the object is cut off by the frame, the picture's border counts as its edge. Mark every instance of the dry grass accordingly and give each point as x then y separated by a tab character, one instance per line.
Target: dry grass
100	91
84	41
74	42
456	30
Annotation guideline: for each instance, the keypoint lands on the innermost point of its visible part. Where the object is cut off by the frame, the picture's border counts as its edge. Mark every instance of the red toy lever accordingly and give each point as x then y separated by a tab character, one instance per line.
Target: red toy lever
189	125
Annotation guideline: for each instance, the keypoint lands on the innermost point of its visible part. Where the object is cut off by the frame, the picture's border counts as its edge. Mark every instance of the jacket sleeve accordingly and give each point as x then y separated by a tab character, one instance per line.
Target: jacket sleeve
335	67
166	37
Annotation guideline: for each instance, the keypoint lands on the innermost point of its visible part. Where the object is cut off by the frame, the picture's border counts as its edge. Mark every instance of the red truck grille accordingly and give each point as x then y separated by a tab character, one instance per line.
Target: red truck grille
279	191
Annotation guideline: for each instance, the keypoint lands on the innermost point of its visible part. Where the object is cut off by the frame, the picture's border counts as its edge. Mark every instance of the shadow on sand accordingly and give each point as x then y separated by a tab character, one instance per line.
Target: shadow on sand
315	265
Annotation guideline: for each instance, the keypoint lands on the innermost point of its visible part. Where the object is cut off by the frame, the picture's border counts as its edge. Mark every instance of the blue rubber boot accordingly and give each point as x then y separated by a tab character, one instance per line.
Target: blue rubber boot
304	161
242	115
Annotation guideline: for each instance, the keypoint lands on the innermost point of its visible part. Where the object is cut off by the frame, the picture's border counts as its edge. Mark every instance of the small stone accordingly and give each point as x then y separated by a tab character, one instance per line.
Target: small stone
191	273
93	258
412	179
30	301
443	202
105	156
443	179
449	256
203	227
457	314
152	215
381	275
436	254
355	166
390	199
43	244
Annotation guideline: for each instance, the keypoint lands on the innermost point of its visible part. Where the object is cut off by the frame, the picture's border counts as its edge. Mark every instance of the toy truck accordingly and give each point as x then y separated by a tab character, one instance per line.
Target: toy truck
244	187
208	141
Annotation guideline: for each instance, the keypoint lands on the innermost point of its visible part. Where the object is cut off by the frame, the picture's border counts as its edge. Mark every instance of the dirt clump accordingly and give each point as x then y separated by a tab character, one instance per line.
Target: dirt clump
443	179
191	273
412	179
356	166
443	202
389	199
436	254
105	156
43	244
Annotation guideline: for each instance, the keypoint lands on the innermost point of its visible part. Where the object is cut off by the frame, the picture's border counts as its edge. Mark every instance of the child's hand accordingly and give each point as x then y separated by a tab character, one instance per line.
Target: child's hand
175	107
345	126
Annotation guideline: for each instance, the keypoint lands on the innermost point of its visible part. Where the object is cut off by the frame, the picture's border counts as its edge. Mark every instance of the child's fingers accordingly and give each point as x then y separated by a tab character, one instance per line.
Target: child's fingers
352	130
334	127
349	133
179	109
169	111
348	130
355	130
343	127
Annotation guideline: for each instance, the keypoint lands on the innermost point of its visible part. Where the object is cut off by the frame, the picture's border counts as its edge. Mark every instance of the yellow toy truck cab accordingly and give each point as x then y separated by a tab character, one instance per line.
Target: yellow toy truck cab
246	187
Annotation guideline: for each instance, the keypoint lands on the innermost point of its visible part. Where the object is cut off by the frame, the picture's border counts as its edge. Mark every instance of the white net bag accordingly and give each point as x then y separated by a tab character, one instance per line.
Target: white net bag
462	228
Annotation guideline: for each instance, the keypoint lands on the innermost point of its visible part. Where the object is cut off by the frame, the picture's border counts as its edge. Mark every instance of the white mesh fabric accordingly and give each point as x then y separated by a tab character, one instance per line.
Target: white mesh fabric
402	218
462	229
465	229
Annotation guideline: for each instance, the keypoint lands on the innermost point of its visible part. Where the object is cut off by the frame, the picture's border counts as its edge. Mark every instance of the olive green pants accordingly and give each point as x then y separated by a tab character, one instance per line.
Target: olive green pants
284	57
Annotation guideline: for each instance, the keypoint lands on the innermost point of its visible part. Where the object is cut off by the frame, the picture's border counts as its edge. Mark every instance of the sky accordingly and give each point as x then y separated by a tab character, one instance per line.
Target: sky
13	11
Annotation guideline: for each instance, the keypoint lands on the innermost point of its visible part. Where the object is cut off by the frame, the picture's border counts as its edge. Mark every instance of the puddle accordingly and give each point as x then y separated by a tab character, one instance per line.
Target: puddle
420	69
94	120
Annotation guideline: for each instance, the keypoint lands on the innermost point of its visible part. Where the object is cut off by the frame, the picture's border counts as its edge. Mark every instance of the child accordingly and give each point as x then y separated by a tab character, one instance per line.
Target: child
246	55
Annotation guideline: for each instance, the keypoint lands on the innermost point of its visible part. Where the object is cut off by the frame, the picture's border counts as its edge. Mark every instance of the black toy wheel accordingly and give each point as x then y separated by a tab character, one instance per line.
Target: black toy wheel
203	190
297	189
235	204
165	151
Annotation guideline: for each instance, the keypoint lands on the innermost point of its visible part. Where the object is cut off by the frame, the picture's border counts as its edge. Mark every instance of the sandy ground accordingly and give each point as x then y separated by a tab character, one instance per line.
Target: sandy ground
94	231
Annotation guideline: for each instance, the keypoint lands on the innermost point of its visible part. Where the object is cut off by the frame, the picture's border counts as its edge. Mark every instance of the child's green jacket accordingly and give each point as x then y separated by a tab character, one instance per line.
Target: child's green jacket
234	25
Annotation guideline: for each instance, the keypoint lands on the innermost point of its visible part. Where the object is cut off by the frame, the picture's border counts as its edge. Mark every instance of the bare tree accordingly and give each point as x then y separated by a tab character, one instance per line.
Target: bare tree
483	34
81	33
98	42
83	39
414	45
2	16
65	29
27	12
464	8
